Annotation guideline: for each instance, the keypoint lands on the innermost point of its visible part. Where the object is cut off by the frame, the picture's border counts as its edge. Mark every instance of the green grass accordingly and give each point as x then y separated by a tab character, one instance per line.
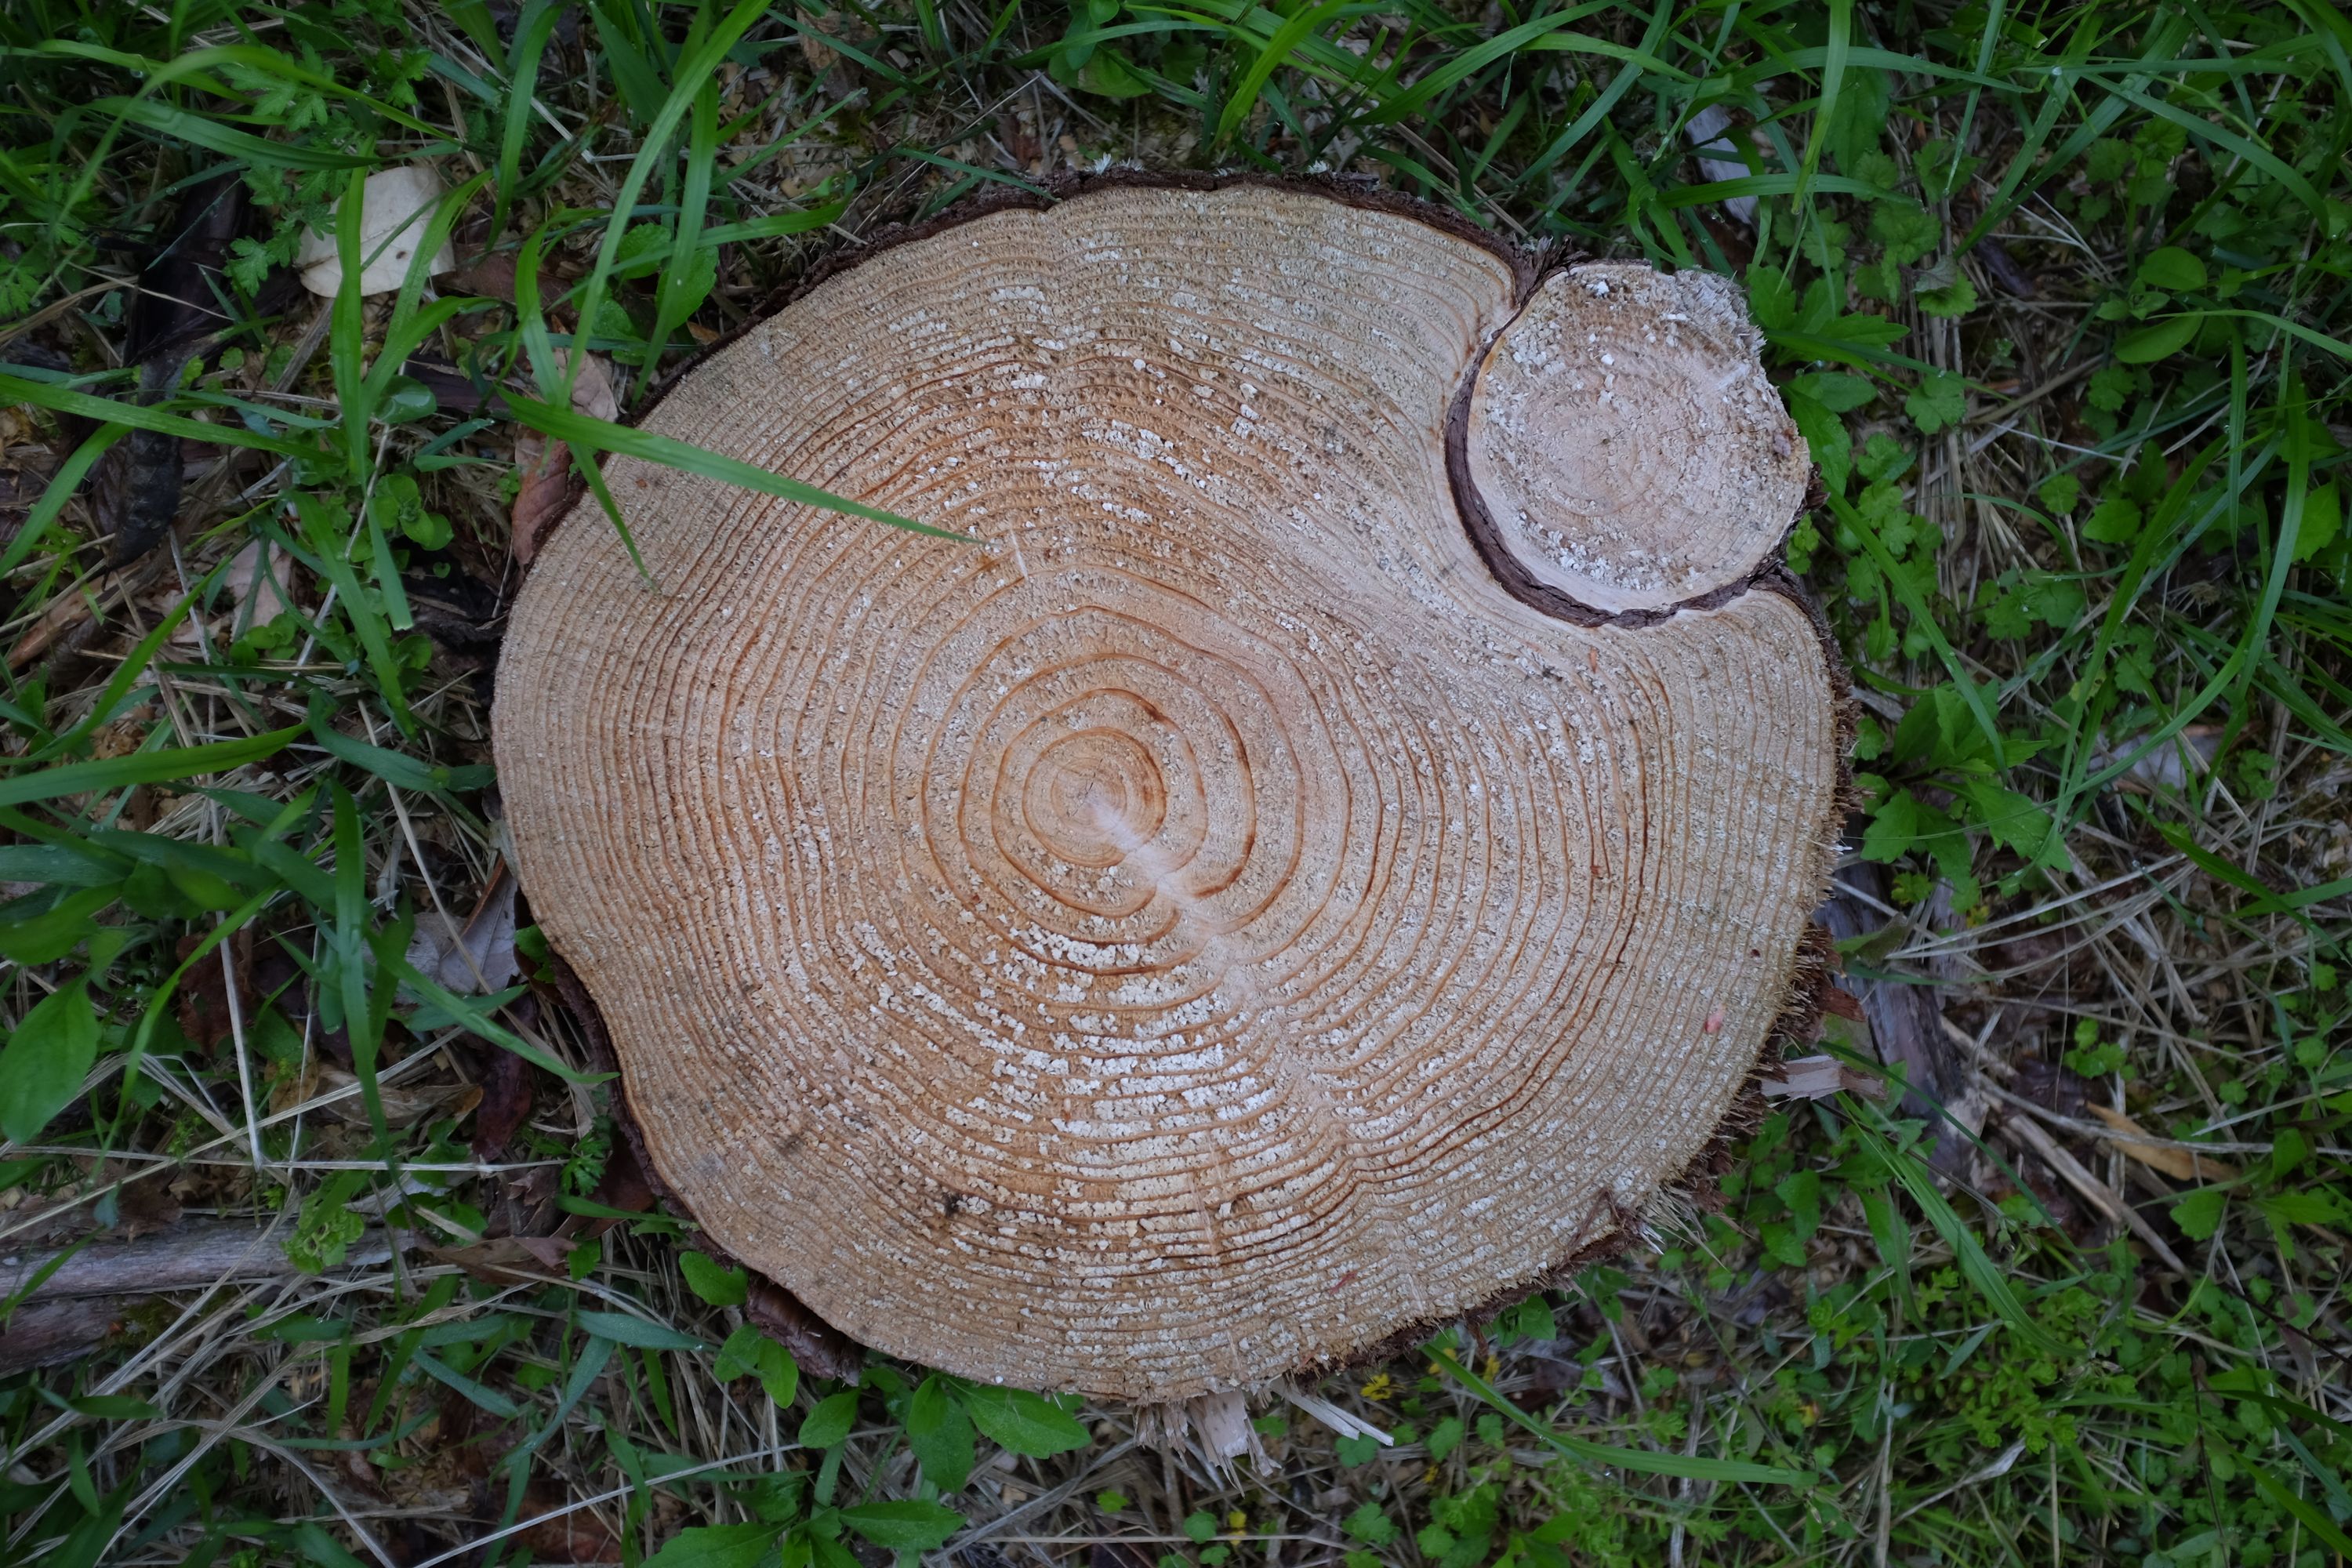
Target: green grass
2057	295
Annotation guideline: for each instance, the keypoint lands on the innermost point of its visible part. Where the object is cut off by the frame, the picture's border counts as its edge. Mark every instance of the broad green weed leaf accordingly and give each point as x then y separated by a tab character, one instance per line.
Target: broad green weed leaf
2198	1214
1907	230
940	1434
2159	340
780	1375
45	1061
46	937
1957	298
720	1286
910	1524
1021	1421
1826	439
1835	390
1802	1193
2283	1209
748	1352
1781	1244
1370	1525
2114	521
739	1356
1941	400
2322	519
1770	300
327	1225
2015	822
2172	269
828	1425
720	1546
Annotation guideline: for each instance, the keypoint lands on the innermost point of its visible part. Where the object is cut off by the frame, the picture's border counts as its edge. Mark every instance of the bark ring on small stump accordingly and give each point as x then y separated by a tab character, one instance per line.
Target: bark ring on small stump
1330	854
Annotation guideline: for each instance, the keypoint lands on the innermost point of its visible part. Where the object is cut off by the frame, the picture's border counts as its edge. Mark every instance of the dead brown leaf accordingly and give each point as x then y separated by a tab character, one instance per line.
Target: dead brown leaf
546	466
120	737
506	1258
295	1088
623	1186
492	276
144	1208
582	1535
505	1105
204	1013
402	1106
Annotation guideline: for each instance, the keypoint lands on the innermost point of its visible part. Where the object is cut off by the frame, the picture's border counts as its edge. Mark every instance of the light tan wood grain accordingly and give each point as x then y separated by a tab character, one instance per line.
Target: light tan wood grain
1209	925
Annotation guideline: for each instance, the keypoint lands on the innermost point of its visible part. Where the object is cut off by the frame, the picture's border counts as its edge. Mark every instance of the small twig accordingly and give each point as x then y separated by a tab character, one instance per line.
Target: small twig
197	1254
244	1057
2115	1135
601	1497
1992	1471
2071	1169
1996	416
1053	1498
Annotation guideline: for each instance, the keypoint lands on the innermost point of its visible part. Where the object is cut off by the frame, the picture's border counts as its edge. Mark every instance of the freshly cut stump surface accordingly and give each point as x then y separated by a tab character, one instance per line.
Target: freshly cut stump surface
1210	925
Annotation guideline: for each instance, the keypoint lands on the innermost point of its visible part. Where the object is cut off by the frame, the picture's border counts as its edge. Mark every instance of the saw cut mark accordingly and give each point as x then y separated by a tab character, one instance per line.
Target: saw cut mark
1058	960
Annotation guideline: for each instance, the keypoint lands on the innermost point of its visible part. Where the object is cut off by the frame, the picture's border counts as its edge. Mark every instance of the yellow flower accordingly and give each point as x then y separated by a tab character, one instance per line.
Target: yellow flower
1379	1387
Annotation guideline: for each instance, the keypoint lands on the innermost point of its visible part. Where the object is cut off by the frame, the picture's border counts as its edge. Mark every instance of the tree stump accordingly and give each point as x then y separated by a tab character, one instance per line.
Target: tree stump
1329	854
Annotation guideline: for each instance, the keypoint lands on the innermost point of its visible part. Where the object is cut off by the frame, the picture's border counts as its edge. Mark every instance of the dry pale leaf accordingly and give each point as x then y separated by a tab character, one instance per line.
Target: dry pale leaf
395	209
475	958
2137	1142
262	594
257	593
2171	767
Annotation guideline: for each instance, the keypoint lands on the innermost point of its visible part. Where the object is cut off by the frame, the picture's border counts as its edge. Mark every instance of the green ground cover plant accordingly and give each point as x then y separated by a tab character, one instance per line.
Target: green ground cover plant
2056	294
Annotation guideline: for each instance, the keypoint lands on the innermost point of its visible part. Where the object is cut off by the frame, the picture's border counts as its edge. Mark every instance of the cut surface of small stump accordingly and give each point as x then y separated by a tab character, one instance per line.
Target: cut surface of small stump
1331	852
